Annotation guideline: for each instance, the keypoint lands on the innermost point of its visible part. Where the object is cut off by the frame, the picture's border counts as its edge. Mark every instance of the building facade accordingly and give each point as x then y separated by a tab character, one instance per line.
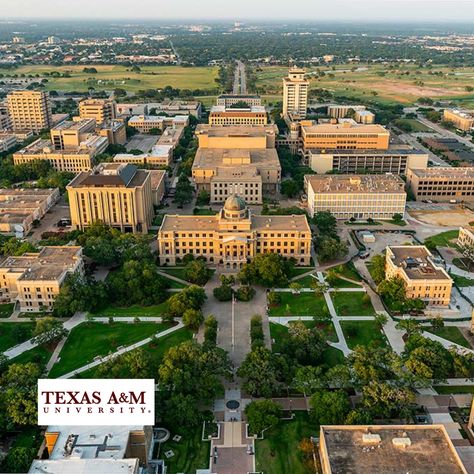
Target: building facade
461	119
442	184
234	236
34	279
295	93
147	123
227	100
7	142
29	110
255	115
100	110
396	160
356	196
423	278
117	194
466	242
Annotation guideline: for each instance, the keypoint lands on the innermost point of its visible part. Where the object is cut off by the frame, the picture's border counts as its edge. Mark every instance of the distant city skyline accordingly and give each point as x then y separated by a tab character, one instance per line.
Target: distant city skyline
307	10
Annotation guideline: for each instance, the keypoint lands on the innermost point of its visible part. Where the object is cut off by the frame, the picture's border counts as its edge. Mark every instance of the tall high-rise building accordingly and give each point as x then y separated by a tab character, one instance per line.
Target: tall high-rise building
295	93
101	110
29	110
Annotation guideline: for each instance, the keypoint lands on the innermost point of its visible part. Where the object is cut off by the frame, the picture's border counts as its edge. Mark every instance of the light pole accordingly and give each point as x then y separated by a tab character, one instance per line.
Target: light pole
233	320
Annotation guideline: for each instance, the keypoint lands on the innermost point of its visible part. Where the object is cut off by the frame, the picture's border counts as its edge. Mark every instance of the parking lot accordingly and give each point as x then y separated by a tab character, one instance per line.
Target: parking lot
144	143
382	239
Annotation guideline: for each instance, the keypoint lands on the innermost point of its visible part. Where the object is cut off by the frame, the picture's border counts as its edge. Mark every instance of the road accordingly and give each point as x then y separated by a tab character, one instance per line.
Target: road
178	57
412	141
240	79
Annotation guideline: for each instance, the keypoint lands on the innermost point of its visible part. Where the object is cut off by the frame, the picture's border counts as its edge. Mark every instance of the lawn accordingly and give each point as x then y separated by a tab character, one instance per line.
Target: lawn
362	333
89	340
444	239
179	272
352	304
415	125
39	355
464	264
304	304
175	285
448	389
451	333
461	280
190	453
297	271
348	270
341	283
6	310
150	77
12	334
133	311
332	356
278	452
306	281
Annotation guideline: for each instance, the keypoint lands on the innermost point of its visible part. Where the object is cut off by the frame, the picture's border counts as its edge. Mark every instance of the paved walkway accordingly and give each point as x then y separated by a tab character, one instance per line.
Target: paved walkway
71	323
448	344
55	355
172	277
124	350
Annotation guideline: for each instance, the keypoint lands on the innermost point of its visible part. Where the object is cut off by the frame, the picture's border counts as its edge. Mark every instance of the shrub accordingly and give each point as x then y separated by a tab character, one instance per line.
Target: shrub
210	332
223	293
257	337
245	293
274	298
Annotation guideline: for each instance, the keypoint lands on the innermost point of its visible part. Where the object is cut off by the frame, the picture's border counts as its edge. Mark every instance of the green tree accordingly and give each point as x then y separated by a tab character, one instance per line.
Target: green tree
184	191
19	459
193	318
268	269
326	223
197	272
386	401
48	330
223	293
305	345
262	414
245	293
309	379
410	326
377	268
210	332
330	248
290	188
329	407
192	297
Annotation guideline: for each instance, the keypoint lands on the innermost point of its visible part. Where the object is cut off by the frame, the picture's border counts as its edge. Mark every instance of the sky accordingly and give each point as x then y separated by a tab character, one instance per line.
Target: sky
309	10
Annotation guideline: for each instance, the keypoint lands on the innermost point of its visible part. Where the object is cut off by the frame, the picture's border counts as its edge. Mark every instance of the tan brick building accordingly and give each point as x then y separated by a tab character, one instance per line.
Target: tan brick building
461	119
29	110
117	194
34	279
442	184
295	93
146	123
255	115
466	242
358	196
100	110
423	278
234	236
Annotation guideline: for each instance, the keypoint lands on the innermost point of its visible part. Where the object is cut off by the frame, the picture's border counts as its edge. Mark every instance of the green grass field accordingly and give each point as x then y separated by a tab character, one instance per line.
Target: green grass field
304	304
305	282
39	355
448	389
113	76
444	239
341	283
278	452
362	333
12	334
352	304
133	311
348	270
6	310
451	333
415	125
461	280
89	340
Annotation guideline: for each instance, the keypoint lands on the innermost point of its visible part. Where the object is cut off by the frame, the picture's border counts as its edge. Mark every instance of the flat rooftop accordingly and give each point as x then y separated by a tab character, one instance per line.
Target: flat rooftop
392	150
344	128
157	118
415	260
111	175
352	183
156	176
85	466
239	96
251	109
43	146
214	157
430	450
73	125
458	173
236	130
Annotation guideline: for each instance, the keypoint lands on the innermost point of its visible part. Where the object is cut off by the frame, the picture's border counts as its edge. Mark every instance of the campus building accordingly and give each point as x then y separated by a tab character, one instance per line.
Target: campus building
117	194
7	142
237	160
69	135
34	279
20	208
345	136
177	107
29	110
5	122
423	278
254	115
417	449
295	93
100	110
466	242
95	449
356	196
228	100
234	236
147	123
397	159
442	184
356	112
461	119
115	131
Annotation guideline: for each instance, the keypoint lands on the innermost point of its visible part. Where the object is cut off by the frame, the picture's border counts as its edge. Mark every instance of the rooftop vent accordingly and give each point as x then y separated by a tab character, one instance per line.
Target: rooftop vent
369	438
401	442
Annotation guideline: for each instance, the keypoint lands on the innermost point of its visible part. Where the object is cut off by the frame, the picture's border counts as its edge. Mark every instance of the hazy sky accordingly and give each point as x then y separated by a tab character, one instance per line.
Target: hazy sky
357	10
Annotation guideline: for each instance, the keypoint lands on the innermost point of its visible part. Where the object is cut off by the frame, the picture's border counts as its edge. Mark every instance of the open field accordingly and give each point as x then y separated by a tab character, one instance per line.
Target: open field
378	83
453	218
89	340
112	76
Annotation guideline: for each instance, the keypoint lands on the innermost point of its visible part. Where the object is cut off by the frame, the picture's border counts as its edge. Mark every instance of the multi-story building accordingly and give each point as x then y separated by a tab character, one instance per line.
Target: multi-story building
357	196
29	110
461	119
423	278
234	236
34	279
237	160
466	242
295	93
20	208
228	100
365	117
416	449
254	115
396	159
95	449
127	110
115	131
158	185
160	156
442	184
176	107
343	136
100	110
342	111
171	136
69	135
5	122
7	142
117	194
147	123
